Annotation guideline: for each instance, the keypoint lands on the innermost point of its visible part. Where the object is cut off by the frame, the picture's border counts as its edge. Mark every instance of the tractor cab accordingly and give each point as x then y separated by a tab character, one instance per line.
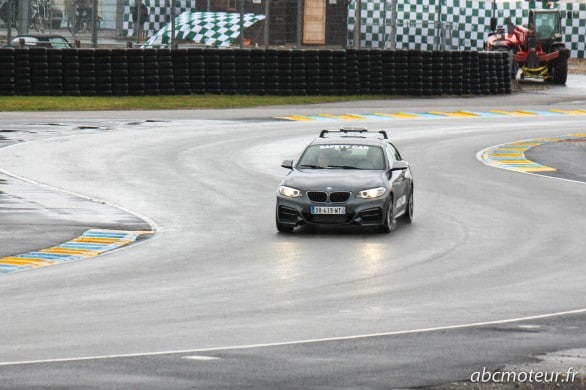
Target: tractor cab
547	25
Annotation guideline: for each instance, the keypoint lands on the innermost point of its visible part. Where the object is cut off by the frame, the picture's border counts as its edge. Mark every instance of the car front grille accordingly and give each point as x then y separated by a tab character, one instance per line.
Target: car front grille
339	197
334	197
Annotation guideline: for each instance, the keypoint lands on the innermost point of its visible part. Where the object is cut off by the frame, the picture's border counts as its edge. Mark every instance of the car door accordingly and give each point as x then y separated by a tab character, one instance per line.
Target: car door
400	180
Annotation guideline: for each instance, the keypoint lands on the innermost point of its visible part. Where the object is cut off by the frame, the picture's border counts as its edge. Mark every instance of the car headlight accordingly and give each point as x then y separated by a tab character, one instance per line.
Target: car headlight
372	193
289	192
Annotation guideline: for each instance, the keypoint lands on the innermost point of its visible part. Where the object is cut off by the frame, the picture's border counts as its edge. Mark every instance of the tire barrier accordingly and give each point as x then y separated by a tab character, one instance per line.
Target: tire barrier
140	72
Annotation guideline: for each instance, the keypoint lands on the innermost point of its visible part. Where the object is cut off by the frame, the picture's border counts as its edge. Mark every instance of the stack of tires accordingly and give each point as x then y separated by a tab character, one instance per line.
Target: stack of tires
438	72
284	66
103	59
271	72
166	70
39	71
257	72
7	72
87	72
402	72
457	72
352	72
376	71
415	72
55	69
180	59
71	72
503	72
197	70
429	85
298	84
120	85
471	72
136	80
227	71
339	72
243	72
326	72
484	73
363	56
312	72
212	70
151	71
389	73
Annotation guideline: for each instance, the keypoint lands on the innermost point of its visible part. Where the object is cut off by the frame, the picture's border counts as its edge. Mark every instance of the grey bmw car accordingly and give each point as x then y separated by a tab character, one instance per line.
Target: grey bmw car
351	176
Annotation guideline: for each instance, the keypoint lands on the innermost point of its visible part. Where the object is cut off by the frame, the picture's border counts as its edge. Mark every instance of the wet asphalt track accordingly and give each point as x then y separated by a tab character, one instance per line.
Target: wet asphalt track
218	299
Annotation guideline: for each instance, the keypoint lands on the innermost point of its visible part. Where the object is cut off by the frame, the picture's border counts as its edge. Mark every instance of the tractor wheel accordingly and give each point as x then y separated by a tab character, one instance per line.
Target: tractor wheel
559	70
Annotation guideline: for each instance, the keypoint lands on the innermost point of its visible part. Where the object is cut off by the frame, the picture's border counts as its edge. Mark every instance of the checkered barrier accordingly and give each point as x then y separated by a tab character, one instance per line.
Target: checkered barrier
464	23
123	72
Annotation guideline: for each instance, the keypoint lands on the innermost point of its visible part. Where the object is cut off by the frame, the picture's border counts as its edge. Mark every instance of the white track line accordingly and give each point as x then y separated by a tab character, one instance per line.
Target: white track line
298	342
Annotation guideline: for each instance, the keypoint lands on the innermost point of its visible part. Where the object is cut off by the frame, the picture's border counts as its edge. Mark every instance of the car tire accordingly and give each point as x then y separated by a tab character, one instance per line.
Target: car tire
408	216
389	220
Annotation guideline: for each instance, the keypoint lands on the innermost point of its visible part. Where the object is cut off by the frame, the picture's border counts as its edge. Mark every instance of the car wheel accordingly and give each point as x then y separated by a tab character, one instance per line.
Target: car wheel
408	216
389	220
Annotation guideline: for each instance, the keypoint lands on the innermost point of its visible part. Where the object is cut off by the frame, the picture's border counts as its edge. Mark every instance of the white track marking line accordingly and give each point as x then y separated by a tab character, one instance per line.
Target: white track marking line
298	342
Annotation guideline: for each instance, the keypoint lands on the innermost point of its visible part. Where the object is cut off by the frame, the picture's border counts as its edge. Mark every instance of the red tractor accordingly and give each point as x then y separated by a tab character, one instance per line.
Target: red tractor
537	49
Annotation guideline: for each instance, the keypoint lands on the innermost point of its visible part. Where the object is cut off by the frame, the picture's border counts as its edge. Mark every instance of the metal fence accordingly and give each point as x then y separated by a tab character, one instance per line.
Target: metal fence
391	24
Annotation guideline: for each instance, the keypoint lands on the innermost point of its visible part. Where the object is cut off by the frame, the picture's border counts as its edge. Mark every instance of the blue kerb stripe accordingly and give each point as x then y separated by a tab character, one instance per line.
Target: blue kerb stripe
47	256
4	269
92	247
377	117
104	235
489	114
548	113
522	165
427	115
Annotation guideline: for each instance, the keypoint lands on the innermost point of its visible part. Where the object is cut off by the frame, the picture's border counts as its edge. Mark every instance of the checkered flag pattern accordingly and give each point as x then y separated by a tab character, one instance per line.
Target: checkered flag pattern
465	23
208	28
159	15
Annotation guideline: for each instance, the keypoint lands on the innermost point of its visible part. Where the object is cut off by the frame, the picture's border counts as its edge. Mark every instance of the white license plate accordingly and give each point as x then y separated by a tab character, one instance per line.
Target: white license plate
328	210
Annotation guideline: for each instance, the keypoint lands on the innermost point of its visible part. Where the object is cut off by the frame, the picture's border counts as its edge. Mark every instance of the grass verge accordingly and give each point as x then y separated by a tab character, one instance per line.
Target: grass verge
173	102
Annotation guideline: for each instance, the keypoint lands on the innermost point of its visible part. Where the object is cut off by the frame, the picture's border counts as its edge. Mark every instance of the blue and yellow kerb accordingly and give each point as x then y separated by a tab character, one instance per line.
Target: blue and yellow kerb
92	243
431	115
512	156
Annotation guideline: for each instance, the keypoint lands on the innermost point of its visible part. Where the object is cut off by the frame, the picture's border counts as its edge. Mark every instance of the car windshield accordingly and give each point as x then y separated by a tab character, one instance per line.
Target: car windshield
342	156
59	43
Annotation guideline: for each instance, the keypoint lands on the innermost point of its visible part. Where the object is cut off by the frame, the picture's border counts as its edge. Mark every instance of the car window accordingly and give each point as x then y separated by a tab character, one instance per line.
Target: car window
342	156
393	153
59	43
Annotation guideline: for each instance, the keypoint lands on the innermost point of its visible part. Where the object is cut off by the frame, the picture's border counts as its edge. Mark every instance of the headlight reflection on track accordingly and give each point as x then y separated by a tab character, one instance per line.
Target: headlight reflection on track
371	256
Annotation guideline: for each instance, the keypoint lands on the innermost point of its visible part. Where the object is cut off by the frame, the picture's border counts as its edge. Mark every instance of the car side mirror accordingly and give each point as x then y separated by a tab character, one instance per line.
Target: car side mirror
287	164
400	166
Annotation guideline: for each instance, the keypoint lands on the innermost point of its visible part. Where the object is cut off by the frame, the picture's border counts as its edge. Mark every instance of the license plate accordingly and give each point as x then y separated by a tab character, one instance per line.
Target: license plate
328	210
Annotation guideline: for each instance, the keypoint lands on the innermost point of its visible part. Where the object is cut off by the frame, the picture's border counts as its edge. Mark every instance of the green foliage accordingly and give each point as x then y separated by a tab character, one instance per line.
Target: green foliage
195	102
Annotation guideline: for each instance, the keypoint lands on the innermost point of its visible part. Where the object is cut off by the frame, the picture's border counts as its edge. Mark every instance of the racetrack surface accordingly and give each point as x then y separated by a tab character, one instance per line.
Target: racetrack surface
489	274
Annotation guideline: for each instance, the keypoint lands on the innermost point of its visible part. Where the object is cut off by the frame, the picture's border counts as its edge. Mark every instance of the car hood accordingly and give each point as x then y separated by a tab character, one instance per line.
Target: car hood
337	179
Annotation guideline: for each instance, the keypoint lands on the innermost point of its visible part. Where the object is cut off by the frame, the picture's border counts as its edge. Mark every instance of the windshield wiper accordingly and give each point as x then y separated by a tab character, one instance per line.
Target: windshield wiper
310	166
343	166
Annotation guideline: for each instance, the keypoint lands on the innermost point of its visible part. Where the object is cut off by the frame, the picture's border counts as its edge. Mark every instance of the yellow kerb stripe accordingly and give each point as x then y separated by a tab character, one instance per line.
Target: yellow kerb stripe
25	261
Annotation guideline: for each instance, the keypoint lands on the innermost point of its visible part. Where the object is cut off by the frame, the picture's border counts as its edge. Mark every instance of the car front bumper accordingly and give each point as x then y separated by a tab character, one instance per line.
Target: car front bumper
362	212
